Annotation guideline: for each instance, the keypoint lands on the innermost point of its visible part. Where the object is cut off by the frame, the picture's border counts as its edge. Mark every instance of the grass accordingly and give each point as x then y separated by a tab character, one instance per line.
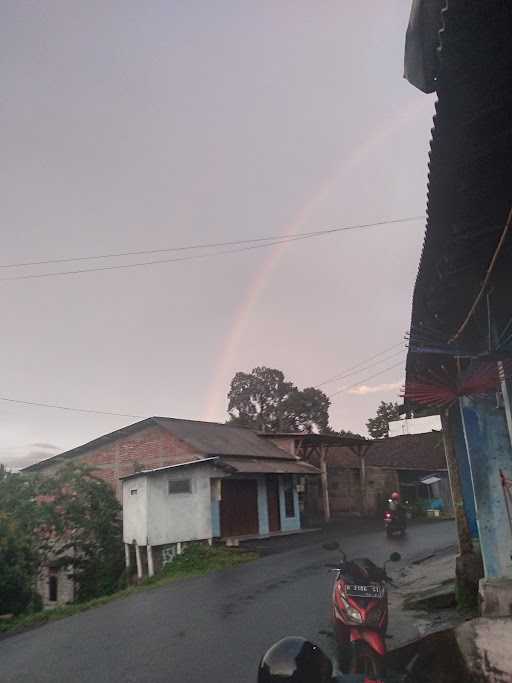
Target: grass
196	560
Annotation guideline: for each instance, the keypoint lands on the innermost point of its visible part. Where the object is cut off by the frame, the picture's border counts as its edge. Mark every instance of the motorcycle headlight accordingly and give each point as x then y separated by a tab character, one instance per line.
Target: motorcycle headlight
352	613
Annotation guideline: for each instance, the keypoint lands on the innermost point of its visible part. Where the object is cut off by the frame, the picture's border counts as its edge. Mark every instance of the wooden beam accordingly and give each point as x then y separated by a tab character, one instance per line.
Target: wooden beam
465	541
325	484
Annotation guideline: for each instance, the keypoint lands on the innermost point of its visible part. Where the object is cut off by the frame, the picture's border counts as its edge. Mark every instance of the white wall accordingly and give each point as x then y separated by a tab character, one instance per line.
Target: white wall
180	516
135	527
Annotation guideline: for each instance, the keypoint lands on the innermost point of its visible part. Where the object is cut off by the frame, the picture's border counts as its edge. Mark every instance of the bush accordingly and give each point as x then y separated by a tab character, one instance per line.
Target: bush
17	567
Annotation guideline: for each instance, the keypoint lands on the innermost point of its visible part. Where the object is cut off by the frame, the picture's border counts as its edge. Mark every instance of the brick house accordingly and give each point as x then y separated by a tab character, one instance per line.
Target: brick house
252	485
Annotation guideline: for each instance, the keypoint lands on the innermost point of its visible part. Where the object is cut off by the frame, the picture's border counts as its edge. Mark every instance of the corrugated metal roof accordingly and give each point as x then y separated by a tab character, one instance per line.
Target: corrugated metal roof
273	466
213	438
207	438
470	176
240	466
405	452
204	461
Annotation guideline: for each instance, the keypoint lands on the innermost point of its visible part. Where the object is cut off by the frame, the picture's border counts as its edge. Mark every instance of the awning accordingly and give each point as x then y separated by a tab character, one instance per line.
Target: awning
240	465
262	466
430	480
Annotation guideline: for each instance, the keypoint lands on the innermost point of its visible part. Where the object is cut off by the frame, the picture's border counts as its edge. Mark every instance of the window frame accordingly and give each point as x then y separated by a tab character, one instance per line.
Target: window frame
187	481
289	497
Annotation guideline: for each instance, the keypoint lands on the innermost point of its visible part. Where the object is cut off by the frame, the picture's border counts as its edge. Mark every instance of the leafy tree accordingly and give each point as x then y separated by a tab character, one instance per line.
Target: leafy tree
378	426
82	520
305	410
351	435
263	399
18	567
19	559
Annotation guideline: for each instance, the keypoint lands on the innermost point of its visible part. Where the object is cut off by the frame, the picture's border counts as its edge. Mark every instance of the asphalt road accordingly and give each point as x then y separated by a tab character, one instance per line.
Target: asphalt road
210	629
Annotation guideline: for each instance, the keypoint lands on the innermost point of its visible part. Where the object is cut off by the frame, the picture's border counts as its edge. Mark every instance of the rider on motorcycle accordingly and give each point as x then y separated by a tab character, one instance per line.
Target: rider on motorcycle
395	505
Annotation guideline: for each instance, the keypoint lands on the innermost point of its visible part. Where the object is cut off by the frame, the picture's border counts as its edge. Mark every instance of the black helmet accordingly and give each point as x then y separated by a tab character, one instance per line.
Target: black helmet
295	659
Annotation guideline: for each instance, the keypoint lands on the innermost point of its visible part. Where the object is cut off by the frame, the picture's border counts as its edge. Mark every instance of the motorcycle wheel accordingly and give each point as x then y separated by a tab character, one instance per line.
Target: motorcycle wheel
389	533
366	661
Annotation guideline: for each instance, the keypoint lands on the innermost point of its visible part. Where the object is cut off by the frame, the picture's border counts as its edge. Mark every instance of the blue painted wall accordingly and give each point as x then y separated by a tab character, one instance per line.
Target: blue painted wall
289	523
489	450
262	506
216	518
461	453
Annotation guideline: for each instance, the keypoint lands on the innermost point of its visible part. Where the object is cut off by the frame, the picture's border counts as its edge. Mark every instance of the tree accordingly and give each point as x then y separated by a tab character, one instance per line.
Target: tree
263	399
82	520
19	559
351	435
18	567
378	426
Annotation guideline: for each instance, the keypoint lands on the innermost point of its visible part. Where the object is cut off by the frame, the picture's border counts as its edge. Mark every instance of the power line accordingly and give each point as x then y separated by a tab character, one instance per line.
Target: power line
68	408
256	243
353	369
90	411
367	379
208	245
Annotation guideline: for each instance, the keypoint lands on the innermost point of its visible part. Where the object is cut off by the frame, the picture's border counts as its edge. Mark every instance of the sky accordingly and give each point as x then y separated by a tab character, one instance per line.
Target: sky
128	126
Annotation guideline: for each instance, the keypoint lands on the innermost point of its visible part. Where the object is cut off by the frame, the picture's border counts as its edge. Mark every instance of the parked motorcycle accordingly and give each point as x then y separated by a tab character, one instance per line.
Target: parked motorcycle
395	522
298	660
360	614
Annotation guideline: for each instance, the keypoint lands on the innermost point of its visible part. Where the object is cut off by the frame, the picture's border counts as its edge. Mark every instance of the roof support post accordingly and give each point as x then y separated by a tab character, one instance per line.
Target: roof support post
139	561
465	542
151	566
362	460
127	561
325	483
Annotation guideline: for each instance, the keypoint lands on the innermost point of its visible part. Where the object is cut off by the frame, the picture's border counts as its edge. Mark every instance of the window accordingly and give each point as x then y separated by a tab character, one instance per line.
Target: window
133	492
180	486
53	587
289	500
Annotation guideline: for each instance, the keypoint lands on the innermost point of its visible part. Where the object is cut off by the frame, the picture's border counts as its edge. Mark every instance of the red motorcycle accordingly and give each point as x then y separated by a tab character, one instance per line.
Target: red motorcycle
394	522
360	615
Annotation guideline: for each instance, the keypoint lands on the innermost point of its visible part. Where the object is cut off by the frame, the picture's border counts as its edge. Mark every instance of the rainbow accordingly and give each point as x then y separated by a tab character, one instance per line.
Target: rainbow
226	365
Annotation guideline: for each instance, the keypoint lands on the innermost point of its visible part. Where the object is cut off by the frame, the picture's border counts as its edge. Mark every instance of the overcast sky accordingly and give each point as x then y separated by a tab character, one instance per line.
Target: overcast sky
137	126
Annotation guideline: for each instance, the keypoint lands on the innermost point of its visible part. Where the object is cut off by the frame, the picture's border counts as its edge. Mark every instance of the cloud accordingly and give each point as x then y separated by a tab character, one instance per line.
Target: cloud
22	456
45	446
364	389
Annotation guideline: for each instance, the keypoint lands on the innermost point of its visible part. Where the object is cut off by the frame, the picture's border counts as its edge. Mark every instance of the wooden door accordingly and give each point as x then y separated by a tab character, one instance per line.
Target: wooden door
239	507
274	516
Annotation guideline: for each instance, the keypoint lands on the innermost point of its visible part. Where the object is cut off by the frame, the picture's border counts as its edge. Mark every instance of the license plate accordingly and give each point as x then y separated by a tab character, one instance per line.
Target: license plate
355	590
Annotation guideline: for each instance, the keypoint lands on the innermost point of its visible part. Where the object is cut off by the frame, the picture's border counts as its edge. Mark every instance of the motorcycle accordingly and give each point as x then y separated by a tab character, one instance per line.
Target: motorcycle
298	660
360	614
395	522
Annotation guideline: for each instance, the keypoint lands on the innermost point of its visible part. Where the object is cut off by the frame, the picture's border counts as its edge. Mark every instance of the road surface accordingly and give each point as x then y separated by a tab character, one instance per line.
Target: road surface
210	629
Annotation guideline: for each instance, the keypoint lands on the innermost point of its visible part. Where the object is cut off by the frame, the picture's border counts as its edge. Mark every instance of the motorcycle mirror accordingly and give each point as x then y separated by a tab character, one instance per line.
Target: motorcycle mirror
332	545
295	659
395	557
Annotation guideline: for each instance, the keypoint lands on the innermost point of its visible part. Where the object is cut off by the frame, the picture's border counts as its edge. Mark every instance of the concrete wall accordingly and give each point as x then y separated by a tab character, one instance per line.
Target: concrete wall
485	647
65	587
135	518
345	494
180	517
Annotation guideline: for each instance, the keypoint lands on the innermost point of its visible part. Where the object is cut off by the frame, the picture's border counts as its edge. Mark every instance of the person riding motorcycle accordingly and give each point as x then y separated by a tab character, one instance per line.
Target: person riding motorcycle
395	504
